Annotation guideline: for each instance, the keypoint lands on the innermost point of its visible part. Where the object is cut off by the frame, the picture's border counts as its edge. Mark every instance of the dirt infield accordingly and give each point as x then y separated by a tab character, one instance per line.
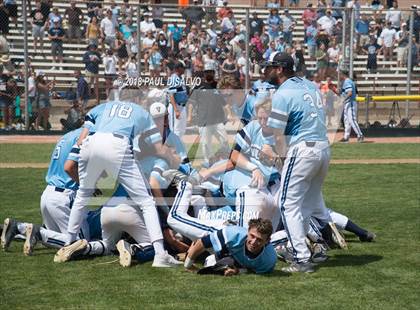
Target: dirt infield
22	139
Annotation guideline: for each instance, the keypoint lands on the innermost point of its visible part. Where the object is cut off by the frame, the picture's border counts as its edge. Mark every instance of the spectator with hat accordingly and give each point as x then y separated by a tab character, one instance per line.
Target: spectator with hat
43	89
388	41
56	35
255	25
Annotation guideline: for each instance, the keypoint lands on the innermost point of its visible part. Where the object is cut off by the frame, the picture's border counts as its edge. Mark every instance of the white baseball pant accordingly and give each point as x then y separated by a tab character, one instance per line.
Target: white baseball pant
206	137
106	152
350	120
177	125
302	177
55	208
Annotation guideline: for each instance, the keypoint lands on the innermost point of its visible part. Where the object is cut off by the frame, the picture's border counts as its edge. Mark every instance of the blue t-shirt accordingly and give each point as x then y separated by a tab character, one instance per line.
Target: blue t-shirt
297	110
66	148
231	240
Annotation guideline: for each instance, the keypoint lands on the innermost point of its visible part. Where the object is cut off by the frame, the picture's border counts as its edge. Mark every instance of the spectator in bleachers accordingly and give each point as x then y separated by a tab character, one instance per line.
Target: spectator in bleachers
8	92
300	63
321	56
127	29
415	54
393	15
273	4
115	14
281	44
157	15
192	35
229	65
93	8
327	22
155	60
31	92
74	117
176	36
337	31
288	26
388	41
38	23
108	30
74	16
56	36
92	59
131	67
93	31
54	15
333	58
11	7
256	41
372	49
256	24
337	13
7	66
376	5
416	23
46	6
43	89
127	10
308	16
82	90
110	62
132	45
373	32
271	49
294	3
362	31
162	42
147	25
274	23
311	35
224	11
198	64
402	38
4	19
228	26
121	48
321	8
194	13
4	45
355	5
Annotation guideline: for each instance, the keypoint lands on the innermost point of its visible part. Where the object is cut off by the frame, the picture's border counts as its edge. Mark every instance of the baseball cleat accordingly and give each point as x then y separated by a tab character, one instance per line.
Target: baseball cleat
344	140
126	253
284	254
299	267
165	260
337	237
32	237
71	251
361	139
370	236
319	253
9	232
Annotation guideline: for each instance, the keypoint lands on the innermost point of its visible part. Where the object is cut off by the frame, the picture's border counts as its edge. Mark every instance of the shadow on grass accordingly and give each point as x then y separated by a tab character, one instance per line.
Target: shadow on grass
351	260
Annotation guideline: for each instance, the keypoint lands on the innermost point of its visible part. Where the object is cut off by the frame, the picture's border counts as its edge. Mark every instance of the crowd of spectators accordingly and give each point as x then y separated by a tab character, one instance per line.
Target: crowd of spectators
211	37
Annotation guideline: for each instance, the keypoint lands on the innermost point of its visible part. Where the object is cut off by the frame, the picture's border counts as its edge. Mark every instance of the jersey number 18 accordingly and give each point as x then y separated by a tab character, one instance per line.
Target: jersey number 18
122	111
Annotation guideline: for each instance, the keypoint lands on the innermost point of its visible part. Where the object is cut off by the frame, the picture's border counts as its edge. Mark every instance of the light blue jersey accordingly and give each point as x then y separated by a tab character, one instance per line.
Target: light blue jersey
260	91
349	85
123	118
56	176
249	142
298	112
177	88
232	239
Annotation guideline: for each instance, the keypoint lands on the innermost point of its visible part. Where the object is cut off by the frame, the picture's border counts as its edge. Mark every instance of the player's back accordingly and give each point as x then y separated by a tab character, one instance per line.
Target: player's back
56	176
349	85
302	102
124	118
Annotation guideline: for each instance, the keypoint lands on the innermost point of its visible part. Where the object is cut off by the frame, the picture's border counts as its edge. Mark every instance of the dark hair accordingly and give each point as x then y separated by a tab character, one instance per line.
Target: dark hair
263	226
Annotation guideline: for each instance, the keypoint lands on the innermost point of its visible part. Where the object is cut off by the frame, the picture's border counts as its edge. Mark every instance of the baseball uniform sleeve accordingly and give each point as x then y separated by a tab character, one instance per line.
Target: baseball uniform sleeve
243	138
91	118
74	153
279	113
151	133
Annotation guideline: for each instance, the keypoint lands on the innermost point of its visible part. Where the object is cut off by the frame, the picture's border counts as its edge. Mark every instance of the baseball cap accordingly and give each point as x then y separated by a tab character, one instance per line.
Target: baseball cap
157	109
278	59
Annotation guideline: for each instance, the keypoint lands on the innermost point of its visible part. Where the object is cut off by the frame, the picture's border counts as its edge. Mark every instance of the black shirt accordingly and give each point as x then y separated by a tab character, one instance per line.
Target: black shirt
38	17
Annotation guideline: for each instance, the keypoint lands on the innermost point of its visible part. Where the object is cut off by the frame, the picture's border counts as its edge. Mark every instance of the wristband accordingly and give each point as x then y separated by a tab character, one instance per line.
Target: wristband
188	263
250	166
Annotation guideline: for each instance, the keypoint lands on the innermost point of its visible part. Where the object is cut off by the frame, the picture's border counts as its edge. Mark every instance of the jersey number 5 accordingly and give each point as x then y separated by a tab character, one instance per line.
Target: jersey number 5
122	111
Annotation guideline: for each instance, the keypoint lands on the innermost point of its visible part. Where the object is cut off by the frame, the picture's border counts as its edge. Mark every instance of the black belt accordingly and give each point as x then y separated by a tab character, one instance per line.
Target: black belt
310	144
116	135
59	189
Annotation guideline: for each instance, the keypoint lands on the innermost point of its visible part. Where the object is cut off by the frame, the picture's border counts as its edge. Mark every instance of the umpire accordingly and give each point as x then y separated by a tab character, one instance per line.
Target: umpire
207	111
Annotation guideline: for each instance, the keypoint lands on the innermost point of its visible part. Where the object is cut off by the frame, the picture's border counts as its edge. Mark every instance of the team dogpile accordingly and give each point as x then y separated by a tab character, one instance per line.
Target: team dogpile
243	209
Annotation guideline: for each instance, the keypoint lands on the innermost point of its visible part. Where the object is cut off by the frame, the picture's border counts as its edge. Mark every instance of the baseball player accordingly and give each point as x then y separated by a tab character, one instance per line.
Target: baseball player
298	122
348	92
249	248
116	124
177	101
253	182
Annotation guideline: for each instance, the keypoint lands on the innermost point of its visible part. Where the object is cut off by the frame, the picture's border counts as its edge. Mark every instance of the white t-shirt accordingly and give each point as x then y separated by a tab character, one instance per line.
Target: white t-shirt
327	23
333	53
394	16
147	26
148	42
31	87
110	64
108	27
387	36
241	63
131	69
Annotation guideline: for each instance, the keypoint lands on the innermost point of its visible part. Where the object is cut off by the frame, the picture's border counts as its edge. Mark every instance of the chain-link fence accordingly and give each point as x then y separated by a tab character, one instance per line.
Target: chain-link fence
60	58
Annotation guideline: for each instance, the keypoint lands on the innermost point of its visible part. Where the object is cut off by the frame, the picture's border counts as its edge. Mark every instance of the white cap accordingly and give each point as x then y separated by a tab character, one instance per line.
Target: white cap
157	109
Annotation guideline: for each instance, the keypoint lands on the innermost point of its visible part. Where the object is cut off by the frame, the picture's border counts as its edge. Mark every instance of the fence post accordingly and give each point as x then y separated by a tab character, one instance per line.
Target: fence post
138	40
409	62
352	17
367	101
247	51
25	57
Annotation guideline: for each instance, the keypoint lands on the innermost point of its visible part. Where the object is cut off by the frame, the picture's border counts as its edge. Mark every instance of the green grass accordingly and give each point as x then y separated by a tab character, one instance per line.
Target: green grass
40	153
380	275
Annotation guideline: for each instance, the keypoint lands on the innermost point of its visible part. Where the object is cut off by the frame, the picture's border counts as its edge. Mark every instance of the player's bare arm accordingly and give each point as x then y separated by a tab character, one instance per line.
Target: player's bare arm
71	168
242	162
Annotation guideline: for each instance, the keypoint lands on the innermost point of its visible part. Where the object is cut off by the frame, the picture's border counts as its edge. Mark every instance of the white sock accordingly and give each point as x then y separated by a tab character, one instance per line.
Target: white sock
71	237
22	227
158	246
96	248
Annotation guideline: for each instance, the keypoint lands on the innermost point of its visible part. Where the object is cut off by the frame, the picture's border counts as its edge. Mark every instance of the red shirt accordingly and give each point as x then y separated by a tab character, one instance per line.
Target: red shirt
308	16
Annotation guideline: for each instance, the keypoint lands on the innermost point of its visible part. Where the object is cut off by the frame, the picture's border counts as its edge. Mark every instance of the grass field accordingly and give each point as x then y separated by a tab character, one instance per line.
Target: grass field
380	275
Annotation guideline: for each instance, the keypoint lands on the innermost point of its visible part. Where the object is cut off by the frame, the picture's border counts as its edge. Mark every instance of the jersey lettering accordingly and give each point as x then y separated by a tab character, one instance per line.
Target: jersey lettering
122	111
